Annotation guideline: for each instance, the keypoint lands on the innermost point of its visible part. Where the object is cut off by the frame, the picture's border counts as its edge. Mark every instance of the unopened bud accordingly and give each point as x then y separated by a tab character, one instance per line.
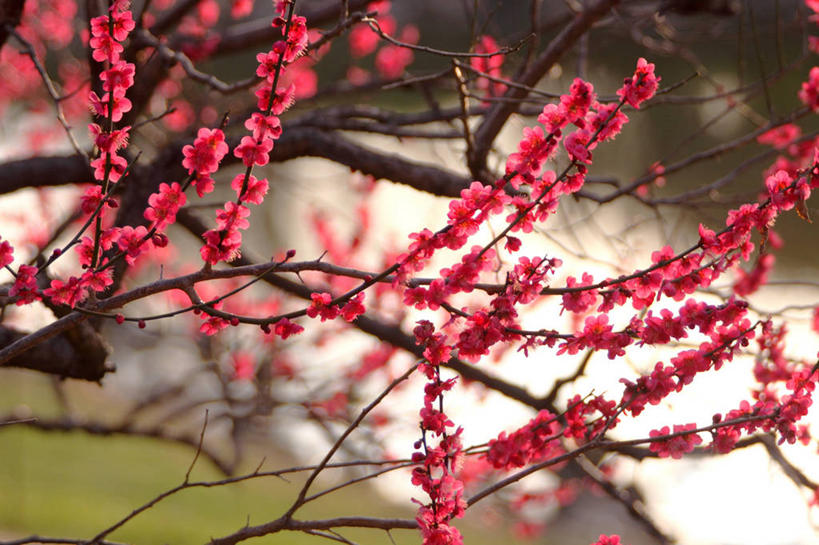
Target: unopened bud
160	240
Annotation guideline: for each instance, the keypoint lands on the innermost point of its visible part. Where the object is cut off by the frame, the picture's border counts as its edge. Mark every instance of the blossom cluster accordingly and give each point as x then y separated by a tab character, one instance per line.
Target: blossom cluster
437	463
224	242
490	66
390	59
108	32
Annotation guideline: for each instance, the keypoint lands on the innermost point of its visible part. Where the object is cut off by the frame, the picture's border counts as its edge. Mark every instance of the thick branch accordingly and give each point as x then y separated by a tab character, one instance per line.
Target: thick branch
10	13
77	352
302	142
44	172
98	428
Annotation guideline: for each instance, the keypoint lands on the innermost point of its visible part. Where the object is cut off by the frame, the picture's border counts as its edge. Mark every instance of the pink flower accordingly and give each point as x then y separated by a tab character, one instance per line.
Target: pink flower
641	86
108	142
97	281
282	100
207	150
578	147
284	328
577	103
221	245
809	94
607	540
674	446
213	325
203	183
116	168
240	8
267	64
297	38
243	365
253	152
233	216
488	65
255	190
263	126
119	76
321	307
534	148
6	253
164	204
131	241
25	285
391	60
353	308
119	104
65	293
780	137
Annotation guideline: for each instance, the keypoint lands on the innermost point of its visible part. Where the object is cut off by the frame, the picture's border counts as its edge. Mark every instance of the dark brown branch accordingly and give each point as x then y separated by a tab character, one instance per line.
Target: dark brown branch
77	352
10	13
302	142
282	524
67	424
40	540
44	172
627	498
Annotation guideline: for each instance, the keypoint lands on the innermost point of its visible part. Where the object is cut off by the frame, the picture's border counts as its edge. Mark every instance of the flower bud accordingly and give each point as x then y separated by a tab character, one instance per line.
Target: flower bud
160	240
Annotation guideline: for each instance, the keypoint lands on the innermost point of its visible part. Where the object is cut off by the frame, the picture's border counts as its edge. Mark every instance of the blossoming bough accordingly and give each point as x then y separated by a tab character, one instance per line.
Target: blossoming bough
473	308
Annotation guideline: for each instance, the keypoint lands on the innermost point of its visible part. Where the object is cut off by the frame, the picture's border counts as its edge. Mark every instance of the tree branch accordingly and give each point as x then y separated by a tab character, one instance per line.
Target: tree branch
500	112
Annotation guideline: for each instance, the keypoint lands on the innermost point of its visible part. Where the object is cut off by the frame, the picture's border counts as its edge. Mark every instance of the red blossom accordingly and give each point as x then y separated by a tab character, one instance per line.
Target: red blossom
284	328
490	66
675	446
207	151
255	190
253	152
6	253
809	94
576	104
25	288
607	540
243	365
321	307
641	86
212	324
353	308
133	242
68	292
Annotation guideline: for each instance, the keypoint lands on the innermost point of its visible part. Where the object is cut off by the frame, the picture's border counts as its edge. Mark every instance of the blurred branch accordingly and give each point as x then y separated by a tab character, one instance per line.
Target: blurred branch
68	424
10	13
259	32
76	352
44	172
